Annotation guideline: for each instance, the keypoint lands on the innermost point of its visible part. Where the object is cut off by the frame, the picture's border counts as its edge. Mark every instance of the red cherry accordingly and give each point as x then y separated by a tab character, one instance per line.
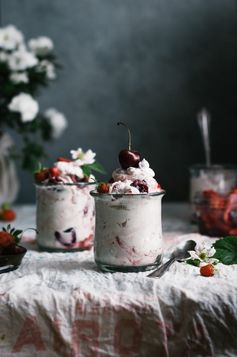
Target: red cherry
54	171
207	270
141	185
128	157
41	175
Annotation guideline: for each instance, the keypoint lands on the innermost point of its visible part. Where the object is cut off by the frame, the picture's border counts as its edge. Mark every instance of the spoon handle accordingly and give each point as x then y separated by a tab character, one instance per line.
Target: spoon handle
204	120
162	269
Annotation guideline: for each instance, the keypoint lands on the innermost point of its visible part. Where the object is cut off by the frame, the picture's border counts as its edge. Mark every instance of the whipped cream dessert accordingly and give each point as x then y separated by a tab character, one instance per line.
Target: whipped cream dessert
134	180
128	234
65	209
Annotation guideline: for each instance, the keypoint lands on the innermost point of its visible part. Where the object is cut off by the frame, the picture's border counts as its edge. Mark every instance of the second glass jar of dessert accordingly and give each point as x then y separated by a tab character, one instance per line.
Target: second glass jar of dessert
65	209
65	216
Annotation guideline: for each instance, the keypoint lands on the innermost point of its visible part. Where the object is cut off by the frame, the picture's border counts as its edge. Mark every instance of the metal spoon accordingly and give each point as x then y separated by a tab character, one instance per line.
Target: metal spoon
204	120
178	254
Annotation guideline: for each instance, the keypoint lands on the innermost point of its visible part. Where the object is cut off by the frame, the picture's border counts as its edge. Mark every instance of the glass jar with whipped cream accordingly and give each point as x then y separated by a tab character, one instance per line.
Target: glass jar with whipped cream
65	209
128	234
217	178
65	216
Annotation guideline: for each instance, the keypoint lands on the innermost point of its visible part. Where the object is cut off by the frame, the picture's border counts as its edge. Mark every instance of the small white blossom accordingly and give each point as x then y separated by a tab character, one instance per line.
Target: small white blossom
10	38
19	77
204	253
25	105
3	56
47	67
69	168
83	158
21	60
41	46
57	121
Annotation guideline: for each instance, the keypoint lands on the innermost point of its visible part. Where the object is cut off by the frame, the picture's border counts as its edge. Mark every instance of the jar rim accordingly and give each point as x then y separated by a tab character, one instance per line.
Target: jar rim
61	184
129	195
213	167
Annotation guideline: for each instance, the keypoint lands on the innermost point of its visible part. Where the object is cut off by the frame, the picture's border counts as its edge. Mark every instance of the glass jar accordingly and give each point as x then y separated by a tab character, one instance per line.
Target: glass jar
218	178
65	216
128	234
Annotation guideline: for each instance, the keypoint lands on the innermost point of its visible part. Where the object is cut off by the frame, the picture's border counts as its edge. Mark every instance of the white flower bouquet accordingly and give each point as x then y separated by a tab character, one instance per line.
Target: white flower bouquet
25	67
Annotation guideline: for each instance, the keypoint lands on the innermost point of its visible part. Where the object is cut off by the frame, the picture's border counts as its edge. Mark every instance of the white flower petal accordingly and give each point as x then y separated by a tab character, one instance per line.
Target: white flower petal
41	46
21	60
83	158
57	121
24	104
193	254
10	38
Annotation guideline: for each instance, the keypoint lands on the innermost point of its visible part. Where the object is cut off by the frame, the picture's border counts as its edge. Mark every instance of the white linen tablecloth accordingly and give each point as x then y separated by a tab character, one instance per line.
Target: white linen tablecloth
59	304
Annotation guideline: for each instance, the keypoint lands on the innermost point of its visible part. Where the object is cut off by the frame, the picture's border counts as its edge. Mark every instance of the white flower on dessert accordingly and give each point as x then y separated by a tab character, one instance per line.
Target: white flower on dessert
19	77
21	60
47	67
10	37
83	158
92	178
57	121
204	252
41	46
24	104
69	168
3	56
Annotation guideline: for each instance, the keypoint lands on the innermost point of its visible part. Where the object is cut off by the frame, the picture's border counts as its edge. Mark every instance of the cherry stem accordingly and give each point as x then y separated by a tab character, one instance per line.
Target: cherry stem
129	135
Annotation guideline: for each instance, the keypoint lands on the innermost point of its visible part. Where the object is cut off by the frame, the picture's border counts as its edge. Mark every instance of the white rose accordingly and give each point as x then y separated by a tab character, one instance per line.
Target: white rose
3	56
10	37
48	67
21	60
83	158
57	121
41	46
17	77
25	105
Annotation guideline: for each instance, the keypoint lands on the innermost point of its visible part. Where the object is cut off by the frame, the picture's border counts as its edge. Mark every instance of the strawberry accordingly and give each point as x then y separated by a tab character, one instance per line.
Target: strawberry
103	187
63	159
41	175
7	215
54	171
6	239
207	270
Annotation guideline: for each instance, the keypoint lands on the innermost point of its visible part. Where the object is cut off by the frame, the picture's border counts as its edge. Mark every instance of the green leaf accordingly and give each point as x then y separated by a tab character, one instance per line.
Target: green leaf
86	170
226	250
17	232
195	262
97	167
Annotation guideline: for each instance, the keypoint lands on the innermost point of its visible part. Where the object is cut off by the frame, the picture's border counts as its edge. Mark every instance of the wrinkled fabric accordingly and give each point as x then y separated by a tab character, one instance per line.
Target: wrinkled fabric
60	304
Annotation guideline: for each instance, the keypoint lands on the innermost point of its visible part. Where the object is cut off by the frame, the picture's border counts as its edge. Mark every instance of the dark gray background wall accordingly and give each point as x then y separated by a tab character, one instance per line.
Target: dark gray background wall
152	64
